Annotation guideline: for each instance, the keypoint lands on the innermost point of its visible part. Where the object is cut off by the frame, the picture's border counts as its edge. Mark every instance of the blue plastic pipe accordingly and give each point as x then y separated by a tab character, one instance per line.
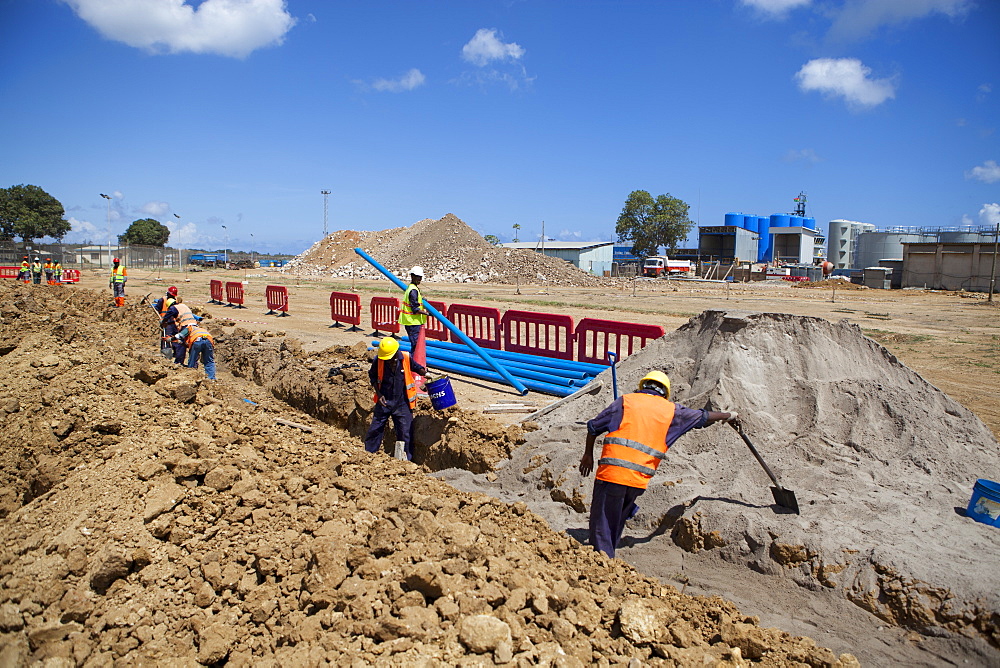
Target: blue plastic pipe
515	368
471	361
500	371
586	367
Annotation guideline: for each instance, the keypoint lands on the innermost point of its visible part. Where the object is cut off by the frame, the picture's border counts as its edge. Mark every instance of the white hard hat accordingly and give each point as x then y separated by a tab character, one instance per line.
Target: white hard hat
417	271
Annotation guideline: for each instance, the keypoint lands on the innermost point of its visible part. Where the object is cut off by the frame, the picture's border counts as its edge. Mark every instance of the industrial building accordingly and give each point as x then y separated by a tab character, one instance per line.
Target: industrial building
842	248
593	257
959	265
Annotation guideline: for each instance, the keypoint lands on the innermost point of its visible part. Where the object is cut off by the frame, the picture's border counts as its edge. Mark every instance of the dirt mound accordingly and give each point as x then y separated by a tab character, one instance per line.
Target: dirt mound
153	516
883	464
838	283
448	249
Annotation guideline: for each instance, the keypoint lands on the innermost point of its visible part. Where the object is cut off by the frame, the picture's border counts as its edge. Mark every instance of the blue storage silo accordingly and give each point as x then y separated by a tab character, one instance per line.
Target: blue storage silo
764	245
809	223
750	223
735	219
781	220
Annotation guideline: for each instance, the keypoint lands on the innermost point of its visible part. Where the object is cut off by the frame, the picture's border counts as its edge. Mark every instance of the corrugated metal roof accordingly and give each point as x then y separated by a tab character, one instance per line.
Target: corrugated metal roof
558	245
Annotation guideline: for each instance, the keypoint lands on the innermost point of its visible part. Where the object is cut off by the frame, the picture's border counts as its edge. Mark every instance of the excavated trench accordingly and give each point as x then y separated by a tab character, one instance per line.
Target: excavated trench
332	386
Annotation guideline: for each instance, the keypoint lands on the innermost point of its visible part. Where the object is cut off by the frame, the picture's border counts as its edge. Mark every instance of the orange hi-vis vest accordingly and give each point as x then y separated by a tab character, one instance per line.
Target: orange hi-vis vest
195	332
165	305
185	317
632	453
411	385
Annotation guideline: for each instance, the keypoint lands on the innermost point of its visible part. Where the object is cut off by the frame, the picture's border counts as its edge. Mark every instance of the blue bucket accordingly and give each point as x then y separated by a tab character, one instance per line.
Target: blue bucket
984	506
441	394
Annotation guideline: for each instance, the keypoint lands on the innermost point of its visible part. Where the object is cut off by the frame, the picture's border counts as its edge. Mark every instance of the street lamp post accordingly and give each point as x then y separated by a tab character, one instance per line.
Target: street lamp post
108	197
251	250
226	250
180	250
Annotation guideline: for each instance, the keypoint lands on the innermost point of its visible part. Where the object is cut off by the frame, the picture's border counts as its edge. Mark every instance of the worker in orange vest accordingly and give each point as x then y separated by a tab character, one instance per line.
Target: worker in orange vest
199	344
49	269
641	427
391	375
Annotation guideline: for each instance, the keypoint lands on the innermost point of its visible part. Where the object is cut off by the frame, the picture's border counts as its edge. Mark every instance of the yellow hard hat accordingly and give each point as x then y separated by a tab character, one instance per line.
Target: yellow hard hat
387	347
657	377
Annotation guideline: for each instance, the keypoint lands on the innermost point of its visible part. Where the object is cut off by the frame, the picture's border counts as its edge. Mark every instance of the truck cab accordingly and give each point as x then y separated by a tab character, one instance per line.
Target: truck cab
661	265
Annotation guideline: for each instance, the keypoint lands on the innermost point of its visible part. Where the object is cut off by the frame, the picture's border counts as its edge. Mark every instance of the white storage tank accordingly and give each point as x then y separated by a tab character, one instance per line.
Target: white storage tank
888	245
841	242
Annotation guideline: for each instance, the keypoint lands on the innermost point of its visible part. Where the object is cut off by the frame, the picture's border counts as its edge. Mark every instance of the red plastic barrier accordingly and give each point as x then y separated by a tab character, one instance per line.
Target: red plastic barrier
71	276
277	300
594	338
9	272
385	314
234	294
345	307
215	289
479	323
434	329
545	334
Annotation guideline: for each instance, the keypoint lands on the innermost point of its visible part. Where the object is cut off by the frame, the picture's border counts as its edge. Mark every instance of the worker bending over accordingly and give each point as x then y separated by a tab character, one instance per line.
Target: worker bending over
391	376
166	306
200	344
642	426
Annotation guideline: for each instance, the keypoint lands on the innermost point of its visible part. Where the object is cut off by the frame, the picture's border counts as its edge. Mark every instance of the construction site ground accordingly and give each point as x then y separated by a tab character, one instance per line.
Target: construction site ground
140	575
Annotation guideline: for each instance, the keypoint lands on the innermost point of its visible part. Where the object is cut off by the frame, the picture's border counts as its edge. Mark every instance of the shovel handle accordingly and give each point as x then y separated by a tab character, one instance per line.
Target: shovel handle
739	430
613	360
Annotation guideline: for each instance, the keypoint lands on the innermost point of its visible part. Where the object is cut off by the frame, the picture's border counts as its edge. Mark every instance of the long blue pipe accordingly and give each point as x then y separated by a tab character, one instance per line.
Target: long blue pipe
510	365
538	360
503	373
534	385
433	358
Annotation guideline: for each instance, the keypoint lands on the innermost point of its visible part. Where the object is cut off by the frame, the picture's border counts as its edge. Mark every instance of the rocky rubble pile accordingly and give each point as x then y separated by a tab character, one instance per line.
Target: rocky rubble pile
448	249
152	516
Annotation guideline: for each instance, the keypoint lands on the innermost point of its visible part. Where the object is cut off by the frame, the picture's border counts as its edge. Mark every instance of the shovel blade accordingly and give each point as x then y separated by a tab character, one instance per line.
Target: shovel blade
785	498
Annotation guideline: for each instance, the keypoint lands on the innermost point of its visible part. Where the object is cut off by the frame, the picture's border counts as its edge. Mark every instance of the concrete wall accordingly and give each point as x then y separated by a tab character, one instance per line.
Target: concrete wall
948	266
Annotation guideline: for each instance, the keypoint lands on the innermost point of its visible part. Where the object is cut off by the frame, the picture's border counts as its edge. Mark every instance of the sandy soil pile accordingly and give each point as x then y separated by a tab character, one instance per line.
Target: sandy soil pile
882	462
448	249
152	516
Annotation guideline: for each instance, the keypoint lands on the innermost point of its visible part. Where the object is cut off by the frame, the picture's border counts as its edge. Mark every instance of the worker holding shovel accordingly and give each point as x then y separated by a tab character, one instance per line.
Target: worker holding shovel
391	376
641	427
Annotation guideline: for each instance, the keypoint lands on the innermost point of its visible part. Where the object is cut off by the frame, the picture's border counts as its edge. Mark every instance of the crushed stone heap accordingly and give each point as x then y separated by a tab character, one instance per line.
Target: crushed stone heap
447	249
151	517
882	462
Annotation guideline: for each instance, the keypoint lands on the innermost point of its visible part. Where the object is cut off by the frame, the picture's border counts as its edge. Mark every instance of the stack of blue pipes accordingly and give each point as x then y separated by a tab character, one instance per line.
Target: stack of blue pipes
539	374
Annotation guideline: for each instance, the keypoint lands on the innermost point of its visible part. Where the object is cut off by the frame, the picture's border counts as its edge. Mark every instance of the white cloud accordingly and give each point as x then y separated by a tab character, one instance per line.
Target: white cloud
225	27
859	18
412	79
485	47
847	78
806	155
988	172
155	208
775	7
83	231
184	235
990	214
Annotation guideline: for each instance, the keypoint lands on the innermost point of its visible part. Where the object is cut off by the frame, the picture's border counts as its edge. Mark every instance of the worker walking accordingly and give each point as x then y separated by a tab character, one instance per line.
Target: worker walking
48	271
642	426
24	274
199	344
412	315
117	282
36	272
391	376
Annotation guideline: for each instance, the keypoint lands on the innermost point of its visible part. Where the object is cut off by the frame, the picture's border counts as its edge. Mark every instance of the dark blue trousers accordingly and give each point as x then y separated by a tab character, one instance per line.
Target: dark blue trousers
612	505
402	422
413	333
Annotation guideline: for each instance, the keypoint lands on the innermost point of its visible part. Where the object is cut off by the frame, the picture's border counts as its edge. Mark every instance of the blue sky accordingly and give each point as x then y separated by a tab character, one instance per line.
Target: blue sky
237	113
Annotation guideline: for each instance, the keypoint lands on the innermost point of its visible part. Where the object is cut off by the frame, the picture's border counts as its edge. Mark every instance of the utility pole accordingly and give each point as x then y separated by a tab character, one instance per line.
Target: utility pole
326	209
993	270
108	197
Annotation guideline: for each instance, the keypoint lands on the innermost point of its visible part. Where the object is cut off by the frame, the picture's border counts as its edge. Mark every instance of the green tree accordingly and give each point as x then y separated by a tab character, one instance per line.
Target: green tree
492	239
650	223
517	226
146	232
31	213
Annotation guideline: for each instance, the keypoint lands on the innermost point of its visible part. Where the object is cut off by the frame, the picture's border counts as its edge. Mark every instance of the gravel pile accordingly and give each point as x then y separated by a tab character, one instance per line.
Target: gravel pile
448	249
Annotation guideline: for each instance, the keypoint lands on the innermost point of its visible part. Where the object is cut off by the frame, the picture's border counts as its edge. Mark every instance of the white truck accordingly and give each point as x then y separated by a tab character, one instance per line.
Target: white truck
661	265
